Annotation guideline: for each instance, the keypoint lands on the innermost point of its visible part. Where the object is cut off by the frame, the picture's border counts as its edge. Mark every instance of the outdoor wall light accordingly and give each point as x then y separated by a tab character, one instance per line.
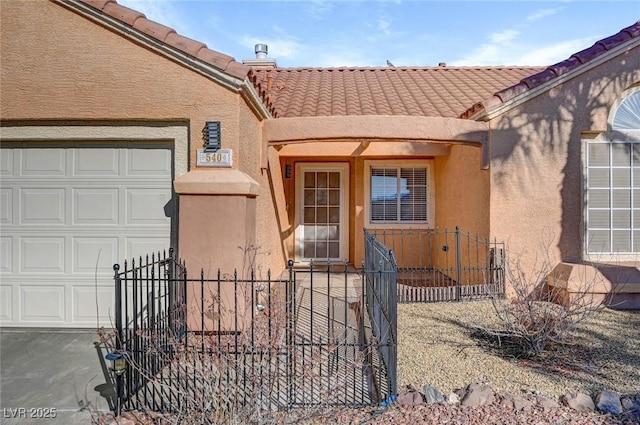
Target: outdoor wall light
260	287
260	307
118	362
211	136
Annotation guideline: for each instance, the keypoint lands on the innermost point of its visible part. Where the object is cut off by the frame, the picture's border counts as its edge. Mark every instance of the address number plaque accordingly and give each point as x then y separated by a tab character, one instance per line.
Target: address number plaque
219	158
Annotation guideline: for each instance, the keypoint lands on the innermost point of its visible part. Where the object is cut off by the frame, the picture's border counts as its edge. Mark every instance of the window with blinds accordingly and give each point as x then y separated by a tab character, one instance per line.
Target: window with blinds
613	197
613	184
399	194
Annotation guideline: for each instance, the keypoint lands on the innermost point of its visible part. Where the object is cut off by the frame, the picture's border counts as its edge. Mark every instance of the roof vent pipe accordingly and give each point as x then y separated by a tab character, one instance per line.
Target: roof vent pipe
261	51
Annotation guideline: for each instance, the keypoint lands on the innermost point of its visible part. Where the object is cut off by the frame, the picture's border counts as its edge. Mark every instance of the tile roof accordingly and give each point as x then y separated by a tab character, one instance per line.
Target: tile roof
169	36
435	91
554	71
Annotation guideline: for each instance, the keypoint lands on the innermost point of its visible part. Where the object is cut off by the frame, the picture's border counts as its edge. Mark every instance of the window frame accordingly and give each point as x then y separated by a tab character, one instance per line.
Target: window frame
610	138
399	164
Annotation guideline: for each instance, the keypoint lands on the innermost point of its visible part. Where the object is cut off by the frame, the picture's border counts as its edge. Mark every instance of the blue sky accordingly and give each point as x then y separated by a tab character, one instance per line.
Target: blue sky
318	33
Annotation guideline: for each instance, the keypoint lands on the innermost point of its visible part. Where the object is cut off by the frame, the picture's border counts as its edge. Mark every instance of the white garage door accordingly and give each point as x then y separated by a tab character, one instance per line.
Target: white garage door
67	214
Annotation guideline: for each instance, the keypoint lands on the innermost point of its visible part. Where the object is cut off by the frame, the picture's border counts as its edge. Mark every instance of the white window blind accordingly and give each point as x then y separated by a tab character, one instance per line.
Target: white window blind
399	194
613	197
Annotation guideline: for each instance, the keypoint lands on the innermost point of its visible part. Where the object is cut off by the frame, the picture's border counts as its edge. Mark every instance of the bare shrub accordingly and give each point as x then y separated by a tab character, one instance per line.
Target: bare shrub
536	315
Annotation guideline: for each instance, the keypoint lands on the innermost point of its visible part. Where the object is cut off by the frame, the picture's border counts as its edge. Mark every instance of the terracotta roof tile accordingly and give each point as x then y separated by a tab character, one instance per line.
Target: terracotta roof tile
187	45
169	36
574	62
126	15
154	29
437	91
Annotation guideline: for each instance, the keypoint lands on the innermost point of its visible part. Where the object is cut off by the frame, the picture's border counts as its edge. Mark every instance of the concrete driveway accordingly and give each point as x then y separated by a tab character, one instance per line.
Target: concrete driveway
51	377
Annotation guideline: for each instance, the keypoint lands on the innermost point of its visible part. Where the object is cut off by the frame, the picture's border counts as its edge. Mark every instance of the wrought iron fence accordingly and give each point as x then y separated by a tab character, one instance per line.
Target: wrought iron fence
444	265
380	271
236	344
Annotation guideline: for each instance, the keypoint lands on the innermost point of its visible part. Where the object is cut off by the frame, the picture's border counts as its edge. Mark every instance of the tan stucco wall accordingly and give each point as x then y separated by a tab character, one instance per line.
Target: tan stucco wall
462	191
60	67
536	166
268	248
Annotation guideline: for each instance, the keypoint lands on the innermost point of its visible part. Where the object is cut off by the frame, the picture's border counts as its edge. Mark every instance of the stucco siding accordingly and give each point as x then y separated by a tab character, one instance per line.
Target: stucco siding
536	162
462	191
59	65
268	249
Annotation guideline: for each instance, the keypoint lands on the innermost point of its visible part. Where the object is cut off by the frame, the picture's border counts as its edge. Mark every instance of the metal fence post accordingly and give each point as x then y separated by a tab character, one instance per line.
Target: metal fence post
458	266
119	377
289	306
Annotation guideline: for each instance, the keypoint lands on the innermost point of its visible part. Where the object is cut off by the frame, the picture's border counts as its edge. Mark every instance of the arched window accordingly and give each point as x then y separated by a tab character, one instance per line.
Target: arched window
612	213
627	116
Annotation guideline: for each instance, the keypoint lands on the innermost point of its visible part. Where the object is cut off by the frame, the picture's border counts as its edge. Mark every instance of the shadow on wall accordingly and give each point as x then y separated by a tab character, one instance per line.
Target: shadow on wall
537	147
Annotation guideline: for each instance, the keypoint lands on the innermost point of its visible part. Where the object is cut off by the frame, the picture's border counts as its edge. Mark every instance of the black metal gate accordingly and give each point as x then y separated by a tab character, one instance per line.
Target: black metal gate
444	265
381	271
242	344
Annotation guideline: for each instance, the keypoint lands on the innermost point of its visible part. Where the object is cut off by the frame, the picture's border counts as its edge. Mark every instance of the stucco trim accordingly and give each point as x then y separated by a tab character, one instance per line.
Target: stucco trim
395	131
179	134
296	129
216	182
368	148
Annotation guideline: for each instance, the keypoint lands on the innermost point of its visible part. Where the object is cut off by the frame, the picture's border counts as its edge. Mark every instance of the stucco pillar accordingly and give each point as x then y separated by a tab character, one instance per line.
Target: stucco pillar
216	227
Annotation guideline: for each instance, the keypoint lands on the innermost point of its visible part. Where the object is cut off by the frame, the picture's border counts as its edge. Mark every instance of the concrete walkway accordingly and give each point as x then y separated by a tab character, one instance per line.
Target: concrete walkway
51	377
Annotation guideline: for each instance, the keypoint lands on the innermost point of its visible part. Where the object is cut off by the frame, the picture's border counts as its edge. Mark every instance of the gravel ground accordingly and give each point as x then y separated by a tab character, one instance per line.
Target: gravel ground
435	347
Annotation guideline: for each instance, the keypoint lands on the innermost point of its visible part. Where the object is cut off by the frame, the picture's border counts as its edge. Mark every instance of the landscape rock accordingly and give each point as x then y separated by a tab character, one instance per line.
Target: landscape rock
432	395
506	399
453	398
547	403
629	403
477	395
609	402
579	401
411	398
515	402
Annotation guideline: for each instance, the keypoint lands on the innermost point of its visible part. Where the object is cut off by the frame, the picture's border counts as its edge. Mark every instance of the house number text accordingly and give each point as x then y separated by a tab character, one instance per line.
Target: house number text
219	158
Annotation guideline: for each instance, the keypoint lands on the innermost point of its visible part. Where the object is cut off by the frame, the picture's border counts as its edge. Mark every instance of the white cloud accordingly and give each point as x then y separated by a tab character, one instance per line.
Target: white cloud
384	27
542	13
523	53
503	37
278	47
554	53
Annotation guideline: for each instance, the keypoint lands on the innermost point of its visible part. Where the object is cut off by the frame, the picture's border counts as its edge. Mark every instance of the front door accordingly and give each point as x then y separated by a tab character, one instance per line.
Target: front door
322	212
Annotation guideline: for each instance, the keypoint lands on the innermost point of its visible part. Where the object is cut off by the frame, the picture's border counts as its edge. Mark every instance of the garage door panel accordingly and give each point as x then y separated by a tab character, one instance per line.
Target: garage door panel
6	254
96	162
84	305
6	162
6	303
43	303
42	206
68	214
95	206
6	206
148	162
43	162
42	255
91	255
141	246
146	206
